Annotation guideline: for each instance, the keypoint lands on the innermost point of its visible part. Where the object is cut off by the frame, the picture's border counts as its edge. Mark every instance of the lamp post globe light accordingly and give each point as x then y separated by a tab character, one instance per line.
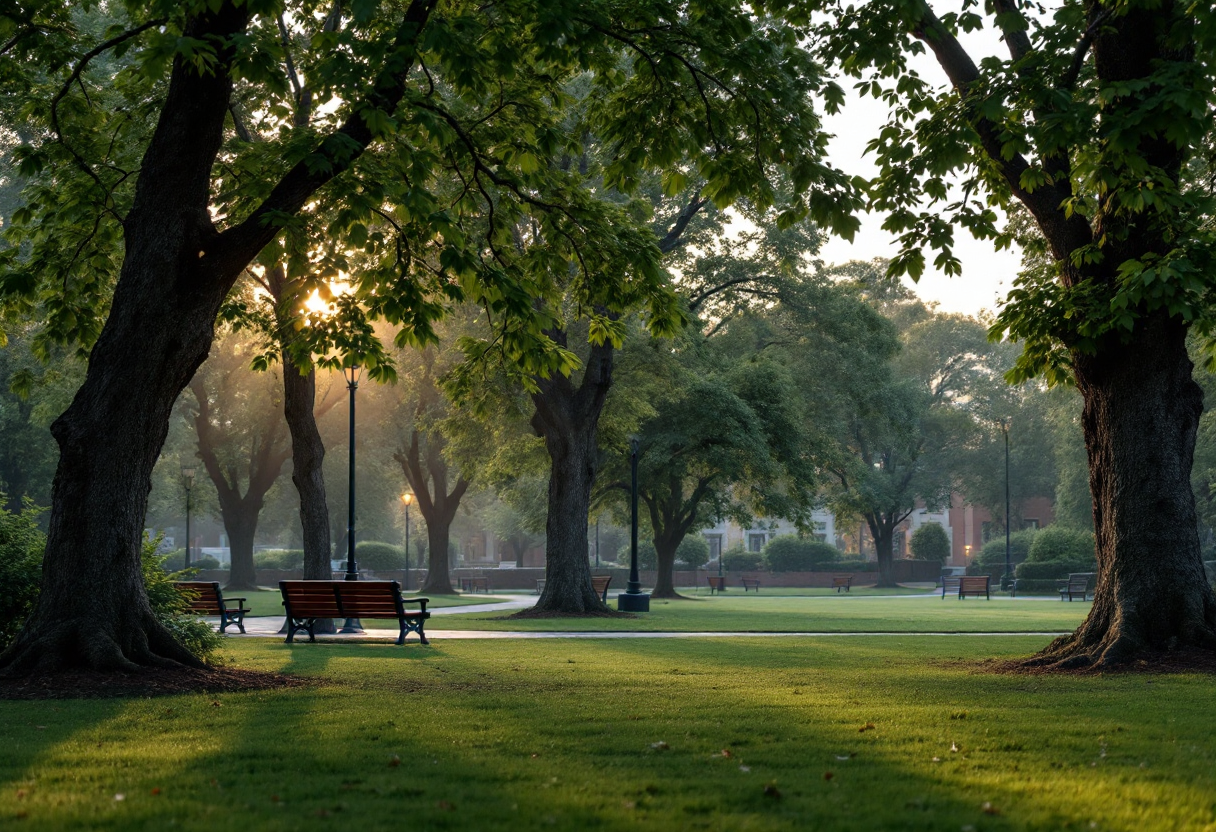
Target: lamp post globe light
406	499
188	472
352	625
633	599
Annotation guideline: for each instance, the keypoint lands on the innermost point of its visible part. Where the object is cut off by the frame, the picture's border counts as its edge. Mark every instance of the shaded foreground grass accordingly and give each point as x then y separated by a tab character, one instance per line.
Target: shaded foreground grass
834	614
757	735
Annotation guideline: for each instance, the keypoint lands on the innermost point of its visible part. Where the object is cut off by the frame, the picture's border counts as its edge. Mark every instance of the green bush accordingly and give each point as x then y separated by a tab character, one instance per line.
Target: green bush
930	542
1072	546
1042	570
21	548
372	554
737	559
171	608
793	554
1037	586
204	562
993	553
281	559
648	557
693	551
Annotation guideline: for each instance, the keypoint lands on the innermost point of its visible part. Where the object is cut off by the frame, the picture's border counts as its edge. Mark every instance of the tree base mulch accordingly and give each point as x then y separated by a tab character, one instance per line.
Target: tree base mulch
535	613
1179	661
92	684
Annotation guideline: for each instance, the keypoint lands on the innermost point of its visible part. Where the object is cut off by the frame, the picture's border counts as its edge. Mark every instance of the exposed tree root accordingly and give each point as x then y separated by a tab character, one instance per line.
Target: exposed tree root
537	612
94	684
83	644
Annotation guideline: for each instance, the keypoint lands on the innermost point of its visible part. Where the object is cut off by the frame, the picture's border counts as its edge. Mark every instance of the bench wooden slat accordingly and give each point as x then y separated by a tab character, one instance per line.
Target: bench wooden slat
600	584
207	598
974	585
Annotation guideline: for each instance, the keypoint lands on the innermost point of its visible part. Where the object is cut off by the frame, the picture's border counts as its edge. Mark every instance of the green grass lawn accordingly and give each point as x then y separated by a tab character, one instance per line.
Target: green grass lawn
270	601
835	613
723	735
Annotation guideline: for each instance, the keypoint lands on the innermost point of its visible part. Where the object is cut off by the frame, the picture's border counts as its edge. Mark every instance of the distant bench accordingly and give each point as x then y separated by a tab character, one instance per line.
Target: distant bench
474	584
717	583
976	585
1076	584
600	583
844	582
207	598
950	584
750	583
308	601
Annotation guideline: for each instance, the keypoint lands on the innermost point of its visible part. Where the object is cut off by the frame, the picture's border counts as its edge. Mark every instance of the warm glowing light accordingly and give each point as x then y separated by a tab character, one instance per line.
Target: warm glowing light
407	498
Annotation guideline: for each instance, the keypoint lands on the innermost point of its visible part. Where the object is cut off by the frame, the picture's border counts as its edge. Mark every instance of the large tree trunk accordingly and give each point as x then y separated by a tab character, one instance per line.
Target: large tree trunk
1140	416
93	610
884	547
439	573
568	419
241	524
664	584
307	457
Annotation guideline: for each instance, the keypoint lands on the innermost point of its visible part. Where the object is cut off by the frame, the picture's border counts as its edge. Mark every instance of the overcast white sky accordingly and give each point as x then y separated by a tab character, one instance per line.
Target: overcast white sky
987	274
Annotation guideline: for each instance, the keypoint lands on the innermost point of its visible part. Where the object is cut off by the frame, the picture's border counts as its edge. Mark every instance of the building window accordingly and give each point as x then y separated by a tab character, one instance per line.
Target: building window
715	545
755	542
1030	523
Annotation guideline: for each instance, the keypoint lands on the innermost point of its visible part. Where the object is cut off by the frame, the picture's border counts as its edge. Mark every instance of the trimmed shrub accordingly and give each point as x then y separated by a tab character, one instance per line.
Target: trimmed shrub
204	562
373	554
793	554
1072	546
993	553
855	566
1043	570
737	559
930	542
171	608
281	558
693	551
1037	586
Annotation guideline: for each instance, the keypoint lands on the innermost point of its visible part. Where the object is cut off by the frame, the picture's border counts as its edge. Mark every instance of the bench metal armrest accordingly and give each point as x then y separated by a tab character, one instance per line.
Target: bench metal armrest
422	601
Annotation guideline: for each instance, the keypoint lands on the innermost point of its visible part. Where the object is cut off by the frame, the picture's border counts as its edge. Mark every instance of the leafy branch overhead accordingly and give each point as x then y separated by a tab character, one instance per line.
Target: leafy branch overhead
413	149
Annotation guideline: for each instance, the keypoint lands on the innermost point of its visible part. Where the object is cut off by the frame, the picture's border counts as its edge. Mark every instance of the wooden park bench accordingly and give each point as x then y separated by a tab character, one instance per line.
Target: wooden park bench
308	601
717	583
600	583
206	598
1077	583
844	582
950	584
750	583
976	585
474	584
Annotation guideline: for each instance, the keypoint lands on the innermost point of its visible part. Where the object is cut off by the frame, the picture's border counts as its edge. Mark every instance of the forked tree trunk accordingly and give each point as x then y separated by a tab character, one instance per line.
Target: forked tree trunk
241	524
1140	416
307	457
568	420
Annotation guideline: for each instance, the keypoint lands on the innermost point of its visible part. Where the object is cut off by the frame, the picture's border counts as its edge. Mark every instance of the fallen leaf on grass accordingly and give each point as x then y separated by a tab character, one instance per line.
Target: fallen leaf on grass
156	790
937	759
845	757
660	746
725	753
827	775
394	761
953	747
445	805
869	726
216	705
989	809
119	798
534	756
745	769
21	793
771	791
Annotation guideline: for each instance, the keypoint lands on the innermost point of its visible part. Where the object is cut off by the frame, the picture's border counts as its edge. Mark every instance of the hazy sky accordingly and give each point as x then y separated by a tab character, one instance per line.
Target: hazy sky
987	274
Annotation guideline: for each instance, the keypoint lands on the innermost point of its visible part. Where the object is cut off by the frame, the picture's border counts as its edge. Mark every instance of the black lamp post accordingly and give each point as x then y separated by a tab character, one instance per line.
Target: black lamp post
407	499
1007	579
188	480
352	625
633	599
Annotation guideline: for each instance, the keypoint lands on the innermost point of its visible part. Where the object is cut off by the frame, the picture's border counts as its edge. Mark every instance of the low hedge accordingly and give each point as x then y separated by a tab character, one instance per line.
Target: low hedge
374	554
793	554
1051	569
740	560
1038	586
280	559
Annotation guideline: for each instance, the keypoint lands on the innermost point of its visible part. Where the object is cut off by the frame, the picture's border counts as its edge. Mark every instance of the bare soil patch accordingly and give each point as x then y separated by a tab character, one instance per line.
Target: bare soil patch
1181	661
89	684
534	613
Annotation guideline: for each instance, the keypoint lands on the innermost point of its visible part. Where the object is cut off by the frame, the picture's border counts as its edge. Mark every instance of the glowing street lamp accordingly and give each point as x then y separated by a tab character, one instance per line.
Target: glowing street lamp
406	499
351	373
